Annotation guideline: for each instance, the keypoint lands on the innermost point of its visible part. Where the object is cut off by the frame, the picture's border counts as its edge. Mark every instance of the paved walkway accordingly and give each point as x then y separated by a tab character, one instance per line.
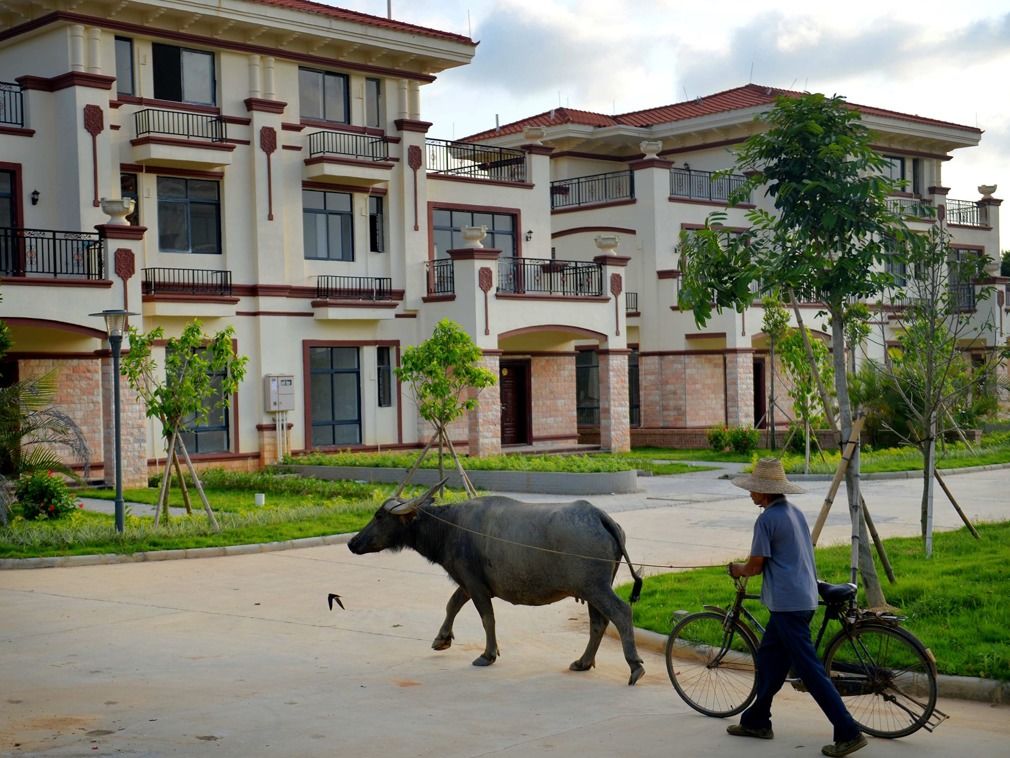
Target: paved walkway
240	656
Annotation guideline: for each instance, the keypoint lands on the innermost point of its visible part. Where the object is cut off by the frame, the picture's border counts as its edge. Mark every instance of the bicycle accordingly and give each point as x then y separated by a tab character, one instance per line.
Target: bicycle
885	675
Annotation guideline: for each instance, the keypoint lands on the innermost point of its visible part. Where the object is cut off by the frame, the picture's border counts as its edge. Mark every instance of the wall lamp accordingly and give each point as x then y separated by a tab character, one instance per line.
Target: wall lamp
529	235
35	197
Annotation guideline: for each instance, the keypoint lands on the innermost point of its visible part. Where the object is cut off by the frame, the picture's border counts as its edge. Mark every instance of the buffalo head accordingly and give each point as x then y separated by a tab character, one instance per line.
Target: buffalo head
388	527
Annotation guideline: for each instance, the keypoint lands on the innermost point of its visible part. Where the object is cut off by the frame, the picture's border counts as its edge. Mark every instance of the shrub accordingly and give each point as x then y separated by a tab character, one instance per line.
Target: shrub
44	496
743	439
718	438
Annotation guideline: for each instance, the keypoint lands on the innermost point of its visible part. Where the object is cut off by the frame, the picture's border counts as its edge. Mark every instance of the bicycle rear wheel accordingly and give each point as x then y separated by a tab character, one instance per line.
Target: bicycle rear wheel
712	670
886	677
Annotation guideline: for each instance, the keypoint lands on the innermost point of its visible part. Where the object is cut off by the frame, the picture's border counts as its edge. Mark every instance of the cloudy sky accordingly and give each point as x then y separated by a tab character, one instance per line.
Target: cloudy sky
949	61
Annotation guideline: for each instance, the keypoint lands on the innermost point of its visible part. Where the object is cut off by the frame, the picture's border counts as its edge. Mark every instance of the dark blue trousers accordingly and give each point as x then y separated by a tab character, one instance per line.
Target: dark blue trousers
786	644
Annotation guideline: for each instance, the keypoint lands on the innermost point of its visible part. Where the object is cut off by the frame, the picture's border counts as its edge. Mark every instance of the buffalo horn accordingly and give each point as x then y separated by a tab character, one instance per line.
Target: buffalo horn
402	509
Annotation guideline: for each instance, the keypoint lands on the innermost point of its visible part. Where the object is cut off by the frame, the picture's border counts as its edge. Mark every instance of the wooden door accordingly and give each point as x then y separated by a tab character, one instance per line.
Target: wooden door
760	395
513	383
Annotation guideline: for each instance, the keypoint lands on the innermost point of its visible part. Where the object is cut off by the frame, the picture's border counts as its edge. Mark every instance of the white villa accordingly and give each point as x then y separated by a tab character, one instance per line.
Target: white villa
285	184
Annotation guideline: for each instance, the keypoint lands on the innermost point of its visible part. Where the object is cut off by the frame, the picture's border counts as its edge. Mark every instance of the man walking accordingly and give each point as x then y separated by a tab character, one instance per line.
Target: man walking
781	550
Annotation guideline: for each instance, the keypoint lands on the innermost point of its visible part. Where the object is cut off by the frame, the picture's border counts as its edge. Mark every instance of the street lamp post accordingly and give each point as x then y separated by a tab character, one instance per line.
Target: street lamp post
115	326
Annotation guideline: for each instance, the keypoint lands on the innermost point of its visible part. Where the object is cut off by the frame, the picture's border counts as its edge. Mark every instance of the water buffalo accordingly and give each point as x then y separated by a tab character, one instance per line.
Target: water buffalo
525	553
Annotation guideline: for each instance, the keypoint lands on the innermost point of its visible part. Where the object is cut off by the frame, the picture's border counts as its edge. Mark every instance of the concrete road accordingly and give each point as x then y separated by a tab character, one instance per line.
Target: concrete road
240	656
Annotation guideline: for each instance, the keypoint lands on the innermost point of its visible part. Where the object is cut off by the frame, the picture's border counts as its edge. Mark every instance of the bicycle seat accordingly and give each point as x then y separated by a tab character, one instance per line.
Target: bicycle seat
834	594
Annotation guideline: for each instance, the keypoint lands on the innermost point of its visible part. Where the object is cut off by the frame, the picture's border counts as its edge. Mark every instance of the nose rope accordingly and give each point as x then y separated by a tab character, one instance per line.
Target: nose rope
562	552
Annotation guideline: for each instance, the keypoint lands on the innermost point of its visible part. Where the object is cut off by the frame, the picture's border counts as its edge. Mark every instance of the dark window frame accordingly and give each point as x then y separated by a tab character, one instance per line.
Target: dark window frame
587	376
159	84
634	391
189	203
134	218
344	218
128	63
895	162
384	375
312	403
325	115
373	103
376	223
193	435
496	234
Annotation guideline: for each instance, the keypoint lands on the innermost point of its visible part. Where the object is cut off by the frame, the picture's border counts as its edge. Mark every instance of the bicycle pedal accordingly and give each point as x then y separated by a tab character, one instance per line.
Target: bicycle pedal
936	718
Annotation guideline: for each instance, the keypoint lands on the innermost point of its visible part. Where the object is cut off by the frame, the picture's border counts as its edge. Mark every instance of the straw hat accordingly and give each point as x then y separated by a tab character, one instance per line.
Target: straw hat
769	478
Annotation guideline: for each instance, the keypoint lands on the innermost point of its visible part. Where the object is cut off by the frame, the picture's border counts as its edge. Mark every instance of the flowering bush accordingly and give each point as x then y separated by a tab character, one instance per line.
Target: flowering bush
44	496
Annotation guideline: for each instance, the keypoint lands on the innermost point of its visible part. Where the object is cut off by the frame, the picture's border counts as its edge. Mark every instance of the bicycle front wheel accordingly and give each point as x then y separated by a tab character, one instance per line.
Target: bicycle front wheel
712	669
886	677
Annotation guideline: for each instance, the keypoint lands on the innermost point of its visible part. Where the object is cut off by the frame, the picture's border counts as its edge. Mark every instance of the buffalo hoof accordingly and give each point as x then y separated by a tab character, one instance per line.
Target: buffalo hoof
636	674
442	643
581	665
483	661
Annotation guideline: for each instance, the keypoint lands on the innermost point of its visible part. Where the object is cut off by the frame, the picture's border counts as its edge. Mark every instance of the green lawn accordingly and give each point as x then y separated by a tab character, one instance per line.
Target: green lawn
905	459
956	601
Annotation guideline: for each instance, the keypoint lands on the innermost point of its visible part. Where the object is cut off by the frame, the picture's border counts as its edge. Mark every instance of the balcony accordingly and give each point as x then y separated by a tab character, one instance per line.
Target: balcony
966	213
441	277
180	139
704	186
12	106
592	190
187	292
50	254
466	160
911	207
537	276
360	159
354	288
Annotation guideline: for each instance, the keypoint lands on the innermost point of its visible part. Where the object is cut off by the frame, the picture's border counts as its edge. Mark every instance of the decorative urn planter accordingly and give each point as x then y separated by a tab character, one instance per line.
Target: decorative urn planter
474	235
534	134
650	147
986	190
607	243
118	209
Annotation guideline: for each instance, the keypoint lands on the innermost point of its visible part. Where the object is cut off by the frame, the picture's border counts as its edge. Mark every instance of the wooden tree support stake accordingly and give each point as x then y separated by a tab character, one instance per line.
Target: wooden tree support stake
877	541
953	502
847	452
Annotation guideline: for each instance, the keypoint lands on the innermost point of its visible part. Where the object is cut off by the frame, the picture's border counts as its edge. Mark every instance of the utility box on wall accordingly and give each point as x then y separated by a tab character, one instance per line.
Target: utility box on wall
278	392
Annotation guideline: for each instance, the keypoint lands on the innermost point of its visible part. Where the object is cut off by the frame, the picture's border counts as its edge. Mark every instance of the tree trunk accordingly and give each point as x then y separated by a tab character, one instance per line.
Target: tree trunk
166	481
182	486
861	558
929	466
771	393
806	445
199	488
839	357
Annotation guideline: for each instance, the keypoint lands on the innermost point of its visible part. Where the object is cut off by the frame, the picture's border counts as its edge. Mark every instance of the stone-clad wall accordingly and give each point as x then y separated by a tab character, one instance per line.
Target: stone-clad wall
133	426
553	401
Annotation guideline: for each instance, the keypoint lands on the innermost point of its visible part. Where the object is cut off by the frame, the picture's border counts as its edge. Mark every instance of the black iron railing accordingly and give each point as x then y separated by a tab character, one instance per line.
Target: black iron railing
589	190
180	124
911	207
550	277
363	146
473	161
354	287
50	253
965	213
631	302
12	104
441	277
185	281
704	185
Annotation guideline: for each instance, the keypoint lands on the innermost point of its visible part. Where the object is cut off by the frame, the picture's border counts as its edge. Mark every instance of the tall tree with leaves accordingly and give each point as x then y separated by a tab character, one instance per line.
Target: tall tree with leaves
803	392
444	374
826	240
201	373
936	318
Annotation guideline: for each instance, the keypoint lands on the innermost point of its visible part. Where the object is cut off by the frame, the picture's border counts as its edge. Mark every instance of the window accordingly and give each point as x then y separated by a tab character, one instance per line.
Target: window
448	227
328	226
384	376
128	189
334	396
895	168
323	95
189	216
186	76
376	224
214	434
373	103
917	186
964	266
634	401
587	388
124	66
8	202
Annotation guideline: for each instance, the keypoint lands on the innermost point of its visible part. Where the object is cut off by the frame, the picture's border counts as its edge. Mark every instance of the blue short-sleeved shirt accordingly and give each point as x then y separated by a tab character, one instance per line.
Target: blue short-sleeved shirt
782	538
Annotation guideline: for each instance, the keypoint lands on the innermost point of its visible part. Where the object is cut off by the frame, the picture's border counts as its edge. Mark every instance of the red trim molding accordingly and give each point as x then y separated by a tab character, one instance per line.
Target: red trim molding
668	273
17	131
182	143
593	206
63	81
53	282
474	254
121	231
261	105
330	160
173	105
618	261
651	163
587	229
412	125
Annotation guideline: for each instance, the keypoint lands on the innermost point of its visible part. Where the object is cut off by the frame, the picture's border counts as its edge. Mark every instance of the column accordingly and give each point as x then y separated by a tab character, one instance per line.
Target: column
740	388
615	430
485	419
133	430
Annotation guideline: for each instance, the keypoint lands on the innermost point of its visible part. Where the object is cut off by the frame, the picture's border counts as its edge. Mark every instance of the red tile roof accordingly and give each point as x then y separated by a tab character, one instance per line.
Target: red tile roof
739	98
364	18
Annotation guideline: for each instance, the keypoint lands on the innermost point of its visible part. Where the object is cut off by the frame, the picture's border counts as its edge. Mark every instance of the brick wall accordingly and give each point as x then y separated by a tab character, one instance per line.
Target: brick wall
484	432
739	389
553	401
614	428
704	395
133	430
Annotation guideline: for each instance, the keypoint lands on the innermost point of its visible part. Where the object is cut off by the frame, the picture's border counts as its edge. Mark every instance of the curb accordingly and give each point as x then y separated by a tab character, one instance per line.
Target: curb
917	474
66	561
947	686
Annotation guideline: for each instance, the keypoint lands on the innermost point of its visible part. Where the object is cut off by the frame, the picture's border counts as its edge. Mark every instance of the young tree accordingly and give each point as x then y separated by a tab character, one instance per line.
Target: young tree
201	373
442	371
826	241
804	393
936	318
